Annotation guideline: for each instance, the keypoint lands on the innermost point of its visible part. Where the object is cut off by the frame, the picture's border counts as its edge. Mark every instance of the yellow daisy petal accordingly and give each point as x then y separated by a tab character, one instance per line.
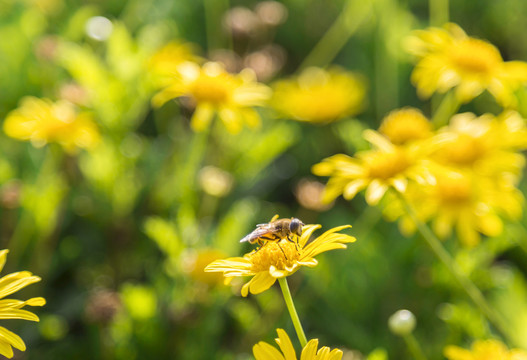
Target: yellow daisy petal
285	345
264	351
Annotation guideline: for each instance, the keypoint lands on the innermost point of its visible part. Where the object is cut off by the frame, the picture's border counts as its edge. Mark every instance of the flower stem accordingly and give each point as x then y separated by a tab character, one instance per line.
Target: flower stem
449	106
346	24
414	347
470	288
438	10
292	311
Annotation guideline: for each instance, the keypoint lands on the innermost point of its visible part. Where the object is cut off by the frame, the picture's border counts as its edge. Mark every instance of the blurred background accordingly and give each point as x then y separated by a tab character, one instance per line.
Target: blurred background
120	233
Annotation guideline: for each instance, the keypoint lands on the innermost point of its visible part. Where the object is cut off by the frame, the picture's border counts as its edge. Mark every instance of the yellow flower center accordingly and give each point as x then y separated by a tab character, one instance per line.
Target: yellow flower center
475	56
385	165
466	150
272	254
405	125
213	89
454	189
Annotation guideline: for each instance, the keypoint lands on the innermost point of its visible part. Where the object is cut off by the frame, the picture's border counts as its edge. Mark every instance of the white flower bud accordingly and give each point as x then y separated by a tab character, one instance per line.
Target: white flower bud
402	322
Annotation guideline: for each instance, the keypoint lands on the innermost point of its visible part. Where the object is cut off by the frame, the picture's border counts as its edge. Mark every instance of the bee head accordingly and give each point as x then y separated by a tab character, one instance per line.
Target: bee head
296	226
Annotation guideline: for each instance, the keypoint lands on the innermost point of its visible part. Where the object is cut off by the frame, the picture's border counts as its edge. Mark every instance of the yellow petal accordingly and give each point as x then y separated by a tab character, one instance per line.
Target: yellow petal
6	350
231	119
285	345
16	285
3	257
12	339
18	314
335	354
310	350
202	117
261	282
457	353
264	351
375	192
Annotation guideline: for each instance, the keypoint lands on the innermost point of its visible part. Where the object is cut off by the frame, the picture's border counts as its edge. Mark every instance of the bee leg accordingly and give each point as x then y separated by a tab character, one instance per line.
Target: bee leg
294	242
283	252
261	244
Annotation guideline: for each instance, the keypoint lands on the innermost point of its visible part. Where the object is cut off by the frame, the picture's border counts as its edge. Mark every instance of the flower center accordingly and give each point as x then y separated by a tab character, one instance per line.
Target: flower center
405	125
272	253
475	56
213	89
454	189
466	150
385	165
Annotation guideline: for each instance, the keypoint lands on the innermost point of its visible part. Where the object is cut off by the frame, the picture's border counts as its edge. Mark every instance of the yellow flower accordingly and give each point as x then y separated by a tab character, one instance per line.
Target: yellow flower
12	309
406	125
264	351
375	170
485	144
42	121
484	350
164	63
268	263
319	96
462	201
213	90
448	58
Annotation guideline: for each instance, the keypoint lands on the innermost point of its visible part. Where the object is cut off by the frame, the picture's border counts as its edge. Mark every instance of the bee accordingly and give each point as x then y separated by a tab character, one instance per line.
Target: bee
275	230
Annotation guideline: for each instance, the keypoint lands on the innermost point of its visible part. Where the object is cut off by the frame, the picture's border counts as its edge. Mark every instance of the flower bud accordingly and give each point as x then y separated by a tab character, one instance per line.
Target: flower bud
402	322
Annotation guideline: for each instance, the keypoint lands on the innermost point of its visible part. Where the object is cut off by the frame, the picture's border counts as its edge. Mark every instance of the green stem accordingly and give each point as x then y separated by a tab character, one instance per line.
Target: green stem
346	24
470	288
386	67
438	12
449	106
214	11
292	311
20	241
414	347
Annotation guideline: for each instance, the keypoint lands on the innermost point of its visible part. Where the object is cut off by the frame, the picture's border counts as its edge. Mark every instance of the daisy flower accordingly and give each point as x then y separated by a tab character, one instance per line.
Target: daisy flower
42	121
462	202
484	350
164	63
12	309
275	260
404	126
265	351
449	59
319	96
485	144
386	166
215	91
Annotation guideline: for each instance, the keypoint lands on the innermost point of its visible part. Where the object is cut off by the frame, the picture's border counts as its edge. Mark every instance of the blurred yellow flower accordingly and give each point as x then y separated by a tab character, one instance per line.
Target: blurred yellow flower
268	263
164	63
484	350
42	121
448	58
375	170
12	309
406	125
215	91
319	96
264	351
462	201
486	145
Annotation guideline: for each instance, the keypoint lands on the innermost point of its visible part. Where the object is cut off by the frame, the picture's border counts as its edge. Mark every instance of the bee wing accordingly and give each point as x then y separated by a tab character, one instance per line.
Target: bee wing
259	232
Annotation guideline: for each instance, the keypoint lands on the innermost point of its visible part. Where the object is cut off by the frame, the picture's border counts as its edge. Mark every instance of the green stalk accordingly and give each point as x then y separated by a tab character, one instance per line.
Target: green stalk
449	106
438	12
346	24
292	311
214	11
414	347
470	288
